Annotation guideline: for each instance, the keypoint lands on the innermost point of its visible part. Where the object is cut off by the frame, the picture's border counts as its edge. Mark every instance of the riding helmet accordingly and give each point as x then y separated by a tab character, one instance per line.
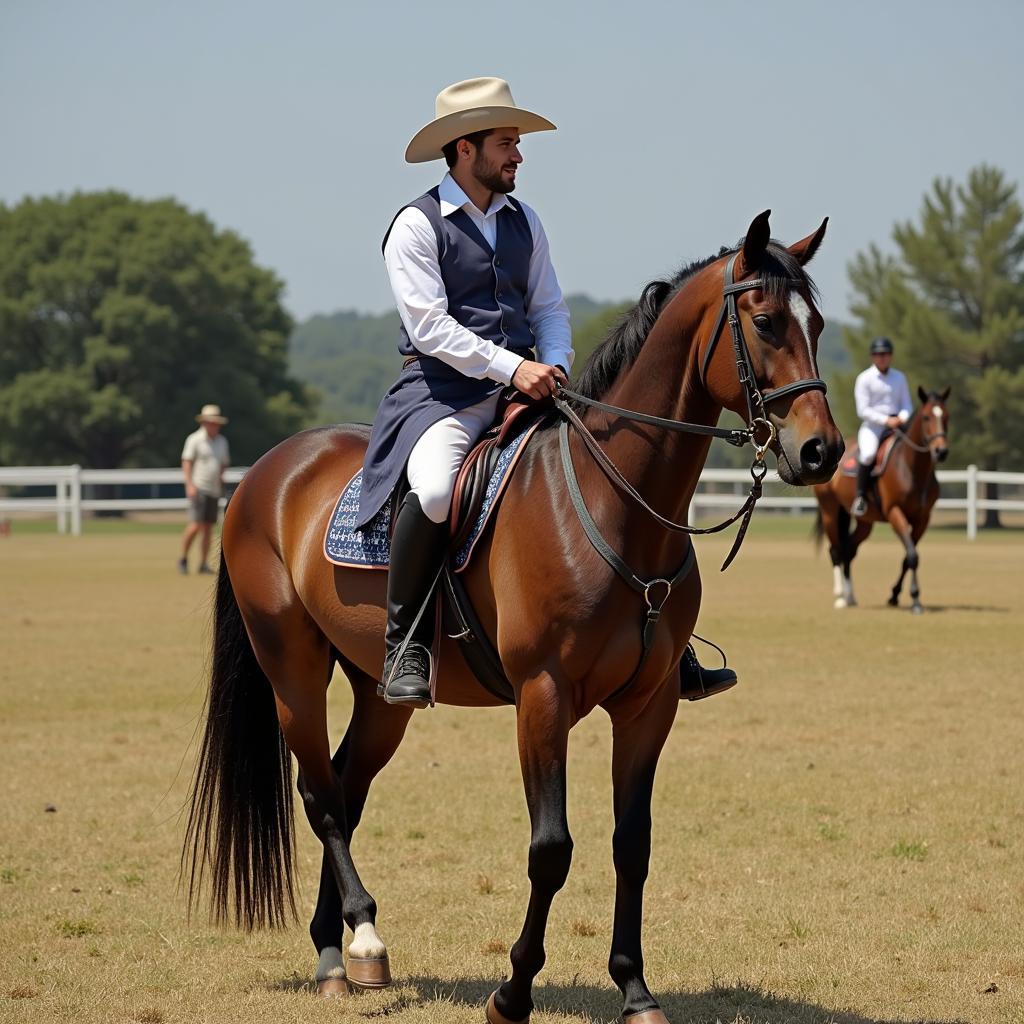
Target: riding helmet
881	346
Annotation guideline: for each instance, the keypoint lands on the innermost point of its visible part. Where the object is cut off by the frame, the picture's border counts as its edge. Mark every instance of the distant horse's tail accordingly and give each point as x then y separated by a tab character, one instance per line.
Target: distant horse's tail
240	818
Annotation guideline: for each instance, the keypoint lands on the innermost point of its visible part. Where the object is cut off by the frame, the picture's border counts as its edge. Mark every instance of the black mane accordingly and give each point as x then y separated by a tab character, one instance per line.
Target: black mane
780	272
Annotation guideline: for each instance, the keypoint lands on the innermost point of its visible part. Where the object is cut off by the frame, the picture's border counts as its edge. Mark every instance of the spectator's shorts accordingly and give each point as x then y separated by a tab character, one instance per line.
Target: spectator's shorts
204	508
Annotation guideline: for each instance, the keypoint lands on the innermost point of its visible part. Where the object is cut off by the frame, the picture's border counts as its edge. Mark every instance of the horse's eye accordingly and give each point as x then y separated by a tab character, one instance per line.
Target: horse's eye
763	323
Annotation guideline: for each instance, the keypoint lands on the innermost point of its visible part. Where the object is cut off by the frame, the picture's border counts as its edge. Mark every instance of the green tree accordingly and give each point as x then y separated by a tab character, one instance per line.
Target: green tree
119	318
952	299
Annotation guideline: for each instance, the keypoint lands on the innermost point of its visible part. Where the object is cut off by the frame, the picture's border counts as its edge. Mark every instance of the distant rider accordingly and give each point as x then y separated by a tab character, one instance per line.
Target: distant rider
883	404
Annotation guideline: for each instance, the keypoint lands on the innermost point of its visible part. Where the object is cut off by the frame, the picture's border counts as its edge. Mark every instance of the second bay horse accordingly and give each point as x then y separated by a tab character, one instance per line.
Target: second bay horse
567	627
905	494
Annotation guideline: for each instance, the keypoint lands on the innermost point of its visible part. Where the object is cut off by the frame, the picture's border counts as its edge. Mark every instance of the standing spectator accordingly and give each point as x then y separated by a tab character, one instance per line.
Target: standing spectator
204	459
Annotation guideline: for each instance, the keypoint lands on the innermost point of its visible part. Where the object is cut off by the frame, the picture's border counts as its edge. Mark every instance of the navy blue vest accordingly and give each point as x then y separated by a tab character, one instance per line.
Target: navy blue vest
486	287
486	291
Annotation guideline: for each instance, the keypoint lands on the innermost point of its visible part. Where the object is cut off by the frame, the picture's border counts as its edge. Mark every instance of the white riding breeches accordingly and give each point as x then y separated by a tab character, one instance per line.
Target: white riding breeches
439	454
867	443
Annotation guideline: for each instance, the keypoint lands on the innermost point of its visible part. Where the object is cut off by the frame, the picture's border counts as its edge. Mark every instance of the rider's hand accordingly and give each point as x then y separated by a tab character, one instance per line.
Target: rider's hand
893	422
190	491
537	379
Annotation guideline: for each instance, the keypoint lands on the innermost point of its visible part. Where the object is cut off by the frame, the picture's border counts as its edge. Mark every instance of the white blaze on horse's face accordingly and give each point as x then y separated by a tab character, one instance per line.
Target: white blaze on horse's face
802	314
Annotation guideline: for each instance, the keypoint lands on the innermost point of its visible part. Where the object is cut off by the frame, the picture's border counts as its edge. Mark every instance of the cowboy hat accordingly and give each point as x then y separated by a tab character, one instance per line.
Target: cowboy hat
476	105
211	414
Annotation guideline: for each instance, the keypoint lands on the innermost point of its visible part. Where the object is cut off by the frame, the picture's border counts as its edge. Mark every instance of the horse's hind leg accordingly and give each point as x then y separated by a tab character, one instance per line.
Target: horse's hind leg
543	722
373	735
296	656
902	528
636	747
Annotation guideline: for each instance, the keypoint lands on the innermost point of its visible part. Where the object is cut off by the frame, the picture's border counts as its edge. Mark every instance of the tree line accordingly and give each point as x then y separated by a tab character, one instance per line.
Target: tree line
120	317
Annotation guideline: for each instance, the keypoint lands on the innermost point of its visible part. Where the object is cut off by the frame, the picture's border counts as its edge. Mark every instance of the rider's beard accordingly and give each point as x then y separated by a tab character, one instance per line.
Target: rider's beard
489	175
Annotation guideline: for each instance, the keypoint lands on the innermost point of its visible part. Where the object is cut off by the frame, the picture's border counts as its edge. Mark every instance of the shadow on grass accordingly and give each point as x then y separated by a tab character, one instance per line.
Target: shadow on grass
592	1004
934	609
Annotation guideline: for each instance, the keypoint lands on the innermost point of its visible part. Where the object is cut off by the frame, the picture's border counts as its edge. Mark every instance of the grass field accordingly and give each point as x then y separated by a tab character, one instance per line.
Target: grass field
840	838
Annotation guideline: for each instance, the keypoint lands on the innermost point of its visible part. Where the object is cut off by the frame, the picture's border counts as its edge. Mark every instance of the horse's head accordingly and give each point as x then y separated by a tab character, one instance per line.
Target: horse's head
934	416
778	324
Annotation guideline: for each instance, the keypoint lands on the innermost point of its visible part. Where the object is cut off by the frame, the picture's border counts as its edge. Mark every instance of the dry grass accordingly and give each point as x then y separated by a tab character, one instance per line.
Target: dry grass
838	839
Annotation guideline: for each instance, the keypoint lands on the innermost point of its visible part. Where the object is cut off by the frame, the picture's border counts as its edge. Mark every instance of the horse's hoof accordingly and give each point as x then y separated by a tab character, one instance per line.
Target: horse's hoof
839	602
367	972
916	609
494	1016
646	1017
332	988
893	602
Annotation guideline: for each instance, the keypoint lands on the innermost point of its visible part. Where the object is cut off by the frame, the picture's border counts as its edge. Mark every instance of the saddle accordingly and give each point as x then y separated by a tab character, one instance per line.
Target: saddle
471	502
886	444
515	413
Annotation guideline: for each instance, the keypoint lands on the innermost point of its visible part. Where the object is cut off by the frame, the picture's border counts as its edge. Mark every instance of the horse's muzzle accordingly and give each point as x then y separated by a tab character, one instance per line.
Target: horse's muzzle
819	457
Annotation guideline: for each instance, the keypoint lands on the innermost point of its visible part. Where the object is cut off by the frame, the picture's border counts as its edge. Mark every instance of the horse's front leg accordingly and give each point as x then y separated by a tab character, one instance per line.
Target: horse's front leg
638	736
544	717
902	528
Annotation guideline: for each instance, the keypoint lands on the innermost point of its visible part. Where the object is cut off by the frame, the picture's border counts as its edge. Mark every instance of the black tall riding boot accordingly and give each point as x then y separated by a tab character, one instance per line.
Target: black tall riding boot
418	549
860	503
697	682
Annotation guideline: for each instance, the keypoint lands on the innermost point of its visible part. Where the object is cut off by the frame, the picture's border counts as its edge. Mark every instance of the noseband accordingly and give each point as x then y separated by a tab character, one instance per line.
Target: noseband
757	399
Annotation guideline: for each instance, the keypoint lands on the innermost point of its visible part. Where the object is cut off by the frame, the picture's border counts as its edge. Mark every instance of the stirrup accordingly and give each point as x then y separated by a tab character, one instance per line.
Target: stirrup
709	681
859	508
407	676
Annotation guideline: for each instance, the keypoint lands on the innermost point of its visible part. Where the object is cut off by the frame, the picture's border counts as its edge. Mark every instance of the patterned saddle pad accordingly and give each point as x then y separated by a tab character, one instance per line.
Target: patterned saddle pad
850	462
371	548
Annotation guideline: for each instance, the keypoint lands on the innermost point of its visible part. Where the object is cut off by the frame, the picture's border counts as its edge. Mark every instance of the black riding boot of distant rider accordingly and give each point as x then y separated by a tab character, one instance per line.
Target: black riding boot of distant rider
860	503
697	682
418	549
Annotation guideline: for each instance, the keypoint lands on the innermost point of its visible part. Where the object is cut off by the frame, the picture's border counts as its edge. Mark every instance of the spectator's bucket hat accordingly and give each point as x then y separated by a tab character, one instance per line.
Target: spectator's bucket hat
211	414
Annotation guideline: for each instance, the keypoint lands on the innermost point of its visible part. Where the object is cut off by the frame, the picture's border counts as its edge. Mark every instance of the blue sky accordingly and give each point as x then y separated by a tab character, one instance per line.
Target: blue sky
678	122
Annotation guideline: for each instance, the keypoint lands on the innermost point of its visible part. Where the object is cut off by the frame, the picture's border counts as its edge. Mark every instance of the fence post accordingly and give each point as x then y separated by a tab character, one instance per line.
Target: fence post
972	502
62	490
75	487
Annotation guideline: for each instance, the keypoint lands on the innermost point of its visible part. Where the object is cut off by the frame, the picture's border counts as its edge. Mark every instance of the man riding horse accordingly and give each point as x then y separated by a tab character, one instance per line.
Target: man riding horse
883	404
481	309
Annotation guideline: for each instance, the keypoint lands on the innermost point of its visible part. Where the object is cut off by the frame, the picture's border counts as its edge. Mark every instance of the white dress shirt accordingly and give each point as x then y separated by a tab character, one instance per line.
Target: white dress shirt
881	395
414	270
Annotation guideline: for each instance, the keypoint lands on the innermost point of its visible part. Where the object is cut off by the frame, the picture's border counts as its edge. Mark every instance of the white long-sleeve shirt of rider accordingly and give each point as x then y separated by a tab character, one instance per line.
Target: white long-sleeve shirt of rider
413	269
881	395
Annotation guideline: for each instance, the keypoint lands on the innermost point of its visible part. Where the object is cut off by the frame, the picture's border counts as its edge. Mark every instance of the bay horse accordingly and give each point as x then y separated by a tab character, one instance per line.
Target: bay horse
566	626
906	493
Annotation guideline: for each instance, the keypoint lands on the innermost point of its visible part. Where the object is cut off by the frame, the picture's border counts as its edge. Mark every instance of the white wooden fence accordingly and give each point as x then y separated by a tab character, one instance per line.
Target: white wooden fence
68	483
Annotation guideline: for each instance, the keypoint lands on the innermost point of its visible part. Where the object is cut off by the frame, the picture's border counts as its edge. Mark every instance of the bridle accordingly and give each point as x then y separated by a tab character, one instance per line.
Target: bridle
902	435
657	591
757	398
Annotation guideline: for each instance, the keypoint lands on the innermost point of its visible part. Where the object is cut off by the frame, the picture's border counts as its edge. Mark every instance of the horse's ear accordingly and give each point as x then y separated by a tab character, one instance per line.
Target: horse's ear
945	394
756	242
805	249
922	394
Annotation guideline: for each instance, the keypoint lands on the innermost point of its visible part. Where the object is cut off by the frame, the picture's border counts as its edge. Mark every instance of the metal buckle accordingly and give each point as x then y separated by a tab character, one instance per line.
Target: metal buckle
651	607
761	449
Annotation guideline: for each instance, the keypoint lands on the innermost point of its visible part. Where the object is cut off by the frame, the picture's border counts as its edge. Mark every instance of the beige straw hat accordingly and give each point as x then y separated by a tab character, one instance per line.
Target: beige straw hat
211	414
475	105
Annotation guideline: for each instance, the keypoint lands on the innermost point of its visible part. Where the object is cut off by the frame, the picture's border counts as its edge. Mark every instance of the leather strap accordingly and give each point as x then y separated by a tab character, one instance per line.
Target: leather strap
656	592
616	477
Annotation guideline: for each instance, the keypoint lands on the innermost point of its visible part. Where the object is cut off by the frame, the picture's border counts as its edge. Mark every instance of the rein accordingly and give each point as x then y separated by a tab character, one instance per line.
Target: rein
920	448
657	591
757	399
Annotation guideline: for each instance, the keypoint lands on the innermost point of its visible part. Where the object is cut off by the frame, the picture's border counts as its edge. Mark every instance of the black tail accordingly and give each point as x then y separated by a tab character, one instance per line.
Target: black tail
240	819
818	530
